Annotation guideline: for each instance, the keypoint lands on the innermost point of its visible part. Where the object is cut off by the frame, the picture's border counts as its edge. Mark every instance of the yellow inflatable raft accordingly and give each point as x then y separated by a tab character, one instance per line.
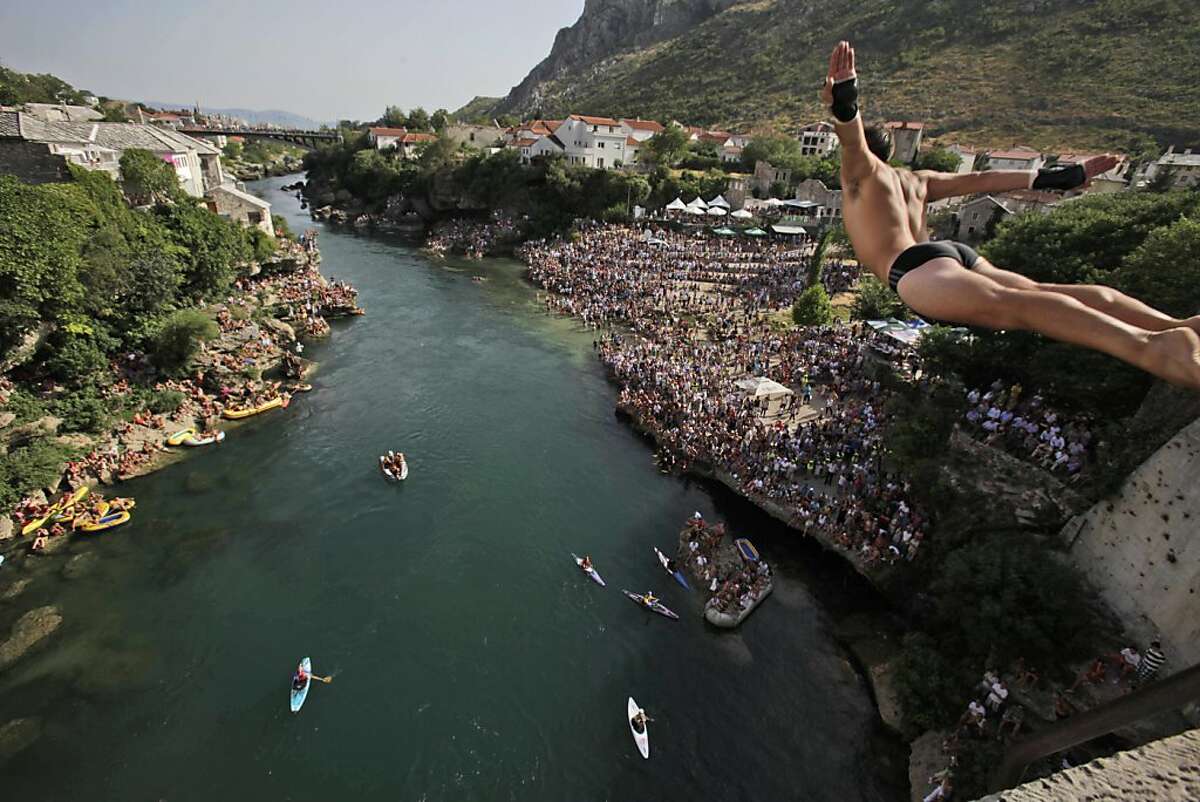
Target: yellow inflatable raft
246	412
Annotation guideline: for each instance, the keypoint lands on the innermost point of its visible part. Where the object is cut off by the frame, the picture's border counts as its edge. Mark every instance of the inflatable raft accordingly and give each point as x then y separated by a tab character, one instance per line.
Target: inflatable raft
207	440
726	620
57	510
107	522
277	402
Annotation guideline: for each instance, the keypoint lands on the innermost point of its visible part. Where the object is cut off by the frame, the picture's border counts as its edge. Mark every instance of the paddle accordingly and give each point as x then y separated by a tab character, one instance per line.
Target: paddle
326	680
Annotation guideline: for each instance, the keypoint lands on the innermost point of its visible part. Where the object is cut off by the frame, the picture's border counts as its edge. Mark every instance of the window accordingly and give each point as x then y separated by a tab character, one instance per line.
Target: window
600	162
600	145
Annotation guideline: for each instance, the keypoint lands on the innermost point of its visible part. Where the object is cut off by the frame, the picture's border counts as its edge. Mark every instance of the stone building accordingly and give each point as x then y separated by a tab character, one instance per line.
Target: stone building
232	203
906	137
479	137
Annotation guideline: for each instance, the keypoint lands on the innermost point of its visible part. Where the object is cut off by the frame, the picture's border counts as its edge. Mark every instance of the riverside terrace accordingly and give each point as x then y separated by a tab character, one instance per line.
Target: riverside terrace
700	308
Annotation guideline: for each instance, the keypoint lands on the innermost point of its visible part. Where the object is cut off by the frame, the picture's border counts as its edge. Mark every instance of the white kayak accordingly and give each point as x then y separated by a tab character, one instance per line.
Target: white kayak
589	571
298	696
642	739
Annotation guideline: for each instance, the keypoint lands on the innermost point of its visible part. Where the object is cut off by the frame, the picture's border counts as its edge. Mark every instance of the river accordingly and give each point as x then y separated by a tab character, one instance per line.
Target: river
471	661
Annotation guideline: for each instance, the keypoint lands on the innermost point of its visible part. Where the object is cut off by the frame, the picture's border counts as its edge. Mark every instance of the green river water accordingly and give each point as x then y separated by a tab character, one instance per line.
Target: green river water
471	661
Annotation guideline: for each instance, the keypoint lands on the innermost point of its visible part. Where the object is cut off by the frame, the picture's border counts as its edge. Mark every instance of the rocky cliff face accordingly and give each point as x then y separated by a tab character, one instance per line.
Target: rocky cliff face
604	28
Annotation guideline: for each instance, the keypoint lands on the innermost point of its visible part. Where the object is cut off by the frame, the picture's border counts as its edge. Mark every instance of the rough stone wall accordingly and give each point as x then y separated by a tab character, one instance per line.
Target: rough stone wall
32	162
1140	549
1163	771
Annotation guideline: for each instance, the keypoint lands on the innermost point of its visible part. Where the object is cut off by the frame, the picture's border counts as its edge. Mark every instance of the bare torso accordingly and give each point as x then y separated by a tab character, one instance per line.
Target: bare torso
884	214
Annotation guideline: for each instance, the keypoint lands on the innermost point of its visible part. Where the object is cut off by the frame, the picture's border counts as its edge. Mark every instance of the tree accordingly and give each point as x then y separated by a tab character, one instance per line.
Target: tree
439	119
1163	180
780	151
812	308
146	177
233	149
418	120
1164	270
874	300
209	247
180	337
666	147
938	159
393	117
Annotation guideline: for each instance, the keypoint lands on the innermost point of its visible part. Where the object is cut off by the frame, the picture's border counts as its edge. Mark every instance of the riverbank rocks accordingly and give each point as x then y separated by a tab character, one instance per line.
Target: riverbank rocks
7	528
925	760
15	589
30	630
18	735
6	419
80	565
887	698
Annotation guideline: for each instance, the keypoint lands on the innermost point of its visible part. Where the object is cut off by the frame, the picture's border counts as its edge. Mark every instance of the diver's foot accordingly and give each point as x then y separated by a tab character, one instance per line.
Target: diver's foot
1174	355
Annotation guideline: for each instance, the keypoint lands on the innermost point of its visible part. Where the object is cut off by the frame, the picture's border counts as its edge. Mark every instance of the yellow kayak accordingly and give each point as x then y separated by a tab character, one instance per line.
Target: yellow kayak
107	522
246	412
178	438
62	505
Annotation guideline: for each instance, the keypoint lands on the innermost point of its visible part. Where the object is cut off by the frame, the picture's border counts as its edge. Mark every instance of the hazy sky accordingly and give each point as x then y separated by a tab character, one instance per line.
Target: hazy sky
326	60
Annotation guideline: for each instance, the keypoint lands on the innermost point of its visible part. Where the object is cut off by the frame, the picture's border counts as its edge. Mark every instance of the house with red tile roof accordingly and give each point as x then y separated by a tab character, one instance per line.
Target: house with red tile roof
382	137
640	129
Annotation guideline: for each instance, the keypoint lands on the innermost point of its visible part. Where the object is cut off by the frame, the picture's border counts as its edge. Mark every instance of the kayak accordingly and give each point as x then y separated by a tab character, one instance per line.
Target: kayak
679	577
747	550
657	607
589	571
245	412
208	440
181	435
642	739
107	522
56	509
298	696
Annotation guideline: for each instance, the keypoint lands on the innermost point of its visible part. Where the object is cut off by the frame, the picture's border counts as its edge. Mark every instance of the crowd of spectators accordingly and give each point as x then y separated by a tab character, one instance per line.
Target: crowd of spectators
1027	427
471	238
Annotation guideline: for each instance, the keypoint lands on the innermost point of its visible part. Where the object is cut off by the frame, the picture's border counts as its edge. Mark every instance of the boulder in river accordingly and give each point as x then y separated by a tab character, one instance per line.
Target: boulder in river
18	735
80	565
30	630
14	590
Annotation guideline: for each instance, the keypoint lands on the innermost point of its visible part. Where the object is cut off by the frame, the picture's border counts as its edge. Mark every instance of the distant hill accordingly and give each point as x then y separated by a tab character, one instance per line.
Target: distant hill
272	116
479	106
1078	73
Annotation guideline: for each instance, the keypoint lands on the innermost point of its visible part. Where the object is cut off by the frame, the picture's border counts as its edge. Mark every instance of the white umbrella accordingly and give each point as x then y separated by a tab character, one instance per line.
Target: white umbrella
741	214
698	203
717	211
774	202
719	201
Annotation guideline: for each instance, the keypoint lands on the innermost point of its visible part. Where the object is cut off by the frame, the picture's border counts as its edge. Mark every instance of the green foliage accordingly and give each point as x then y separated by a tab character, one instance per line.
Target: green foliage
165	402
418	120
28	468
25	406
262	244
146	177
75	358
812	308
282	229
439	119
233	149
209	247
180	337
874	300
938	159
393	117
666	147
1164	271
82	410
18	87
930	687
1000	597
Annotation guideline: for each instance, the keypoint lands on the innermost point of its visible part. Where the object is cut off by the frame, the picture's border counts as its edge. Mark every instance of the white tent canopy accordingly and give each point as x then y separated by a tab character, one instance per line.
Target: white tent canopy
773	202
771	397
741	214
719	201
676	205
694	210
717	211
698	203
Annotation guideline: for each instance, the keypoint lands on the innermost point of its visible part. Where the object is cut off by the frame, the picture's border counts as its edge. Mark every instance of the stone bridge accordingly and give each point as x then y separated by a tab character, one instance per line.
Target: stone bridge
306	139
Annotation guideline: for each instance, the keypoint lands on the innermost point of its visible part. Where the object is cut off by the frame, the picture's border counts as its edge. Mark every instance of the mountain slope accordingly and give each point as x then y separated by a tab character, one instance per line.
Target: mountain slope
1075	73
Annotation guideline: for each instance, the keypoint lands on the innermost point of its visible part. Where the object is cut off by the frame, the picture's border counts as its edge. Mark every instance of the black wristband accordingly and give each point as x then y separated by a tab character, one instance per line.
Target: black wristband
845	100
1061	177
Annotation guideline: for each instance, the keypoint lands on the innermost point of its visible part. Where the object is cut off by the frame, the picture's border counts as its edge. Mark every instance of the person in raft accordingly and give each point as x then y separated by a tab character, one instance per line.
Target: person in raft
947	282
299	678
586	562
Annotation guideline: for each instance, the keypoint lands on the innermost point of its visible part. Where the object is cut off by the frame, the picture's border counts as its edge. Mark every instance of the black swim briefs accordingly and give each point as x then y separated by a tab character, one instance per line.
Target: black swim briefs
923	252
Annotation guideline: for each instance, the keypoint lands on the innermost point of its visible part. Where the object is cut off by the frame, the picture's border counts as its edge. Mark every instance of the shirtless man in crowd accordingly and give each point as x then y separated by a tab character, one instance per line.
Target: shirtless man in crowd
947	282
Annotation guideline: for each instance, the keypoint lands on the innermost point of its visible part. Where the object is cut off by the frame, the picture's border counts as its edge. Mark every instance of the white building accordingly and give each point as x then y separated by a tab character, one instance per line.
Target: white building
593	141
1184	168
817	139
966	157
1018	158
640	129
382	138
531	148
